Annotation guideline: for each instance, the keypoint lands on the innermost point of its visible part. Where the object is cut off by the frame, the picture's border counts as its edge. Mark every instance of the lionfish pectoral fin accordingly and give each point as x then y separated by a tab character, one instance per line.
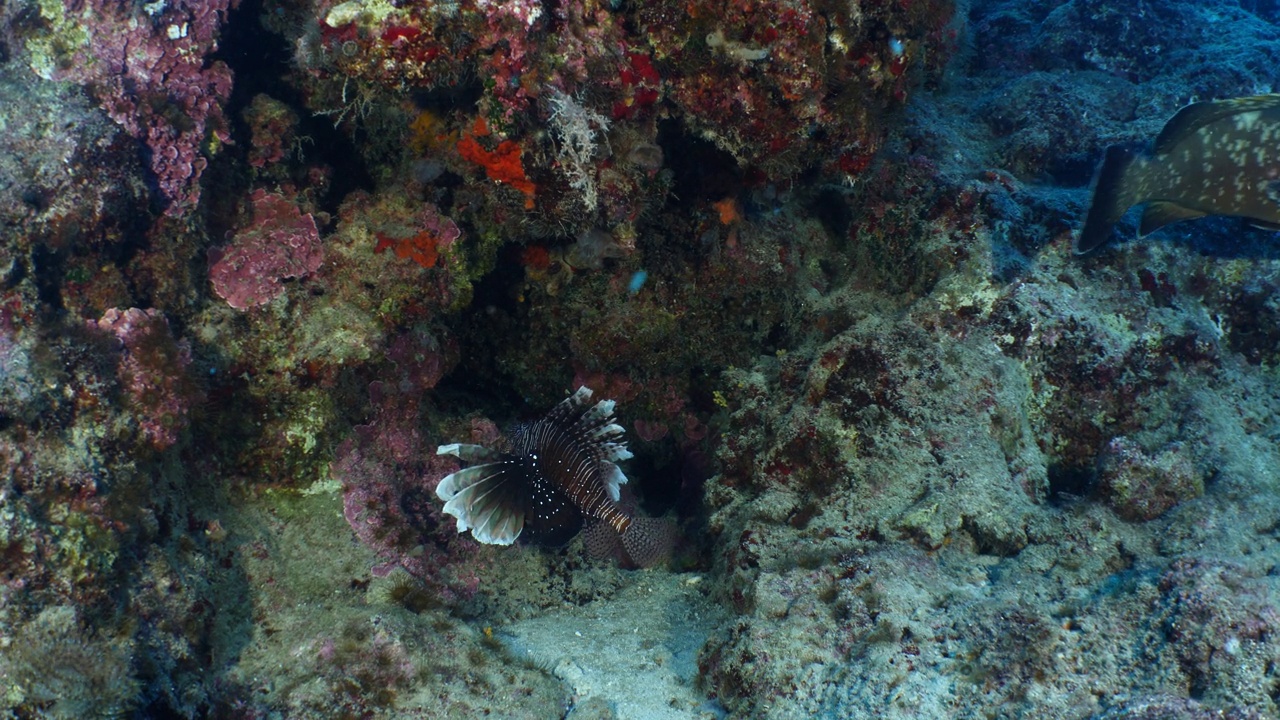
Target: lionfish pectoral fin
485	500
615	452
614	479
470	453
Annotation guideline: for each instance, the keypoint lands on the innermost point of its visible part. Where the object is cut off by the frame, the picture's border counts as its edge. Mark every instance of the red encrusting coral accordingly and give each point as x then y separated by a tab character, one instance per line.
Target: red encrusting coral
502	164
420	248
641	85
537	257
399	34
422	243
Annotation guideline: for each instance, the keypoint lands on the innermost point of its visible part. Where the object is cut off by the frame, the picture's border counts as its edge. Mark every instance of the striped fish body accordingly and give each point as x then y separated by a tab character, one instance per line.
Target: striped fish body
560	470
569	460
1211	158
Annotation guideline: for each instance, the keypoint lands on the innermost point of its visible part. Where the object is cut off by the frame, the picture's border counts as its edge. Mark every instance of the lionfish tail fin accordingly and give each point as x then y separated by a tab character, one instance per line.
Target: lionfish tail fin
648	541
484	498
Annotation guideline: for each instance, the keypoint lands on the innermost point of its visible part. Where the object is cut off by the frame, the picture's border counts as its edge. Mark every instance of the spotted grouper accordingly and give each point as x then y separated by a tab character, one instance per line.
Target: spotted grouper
1211	158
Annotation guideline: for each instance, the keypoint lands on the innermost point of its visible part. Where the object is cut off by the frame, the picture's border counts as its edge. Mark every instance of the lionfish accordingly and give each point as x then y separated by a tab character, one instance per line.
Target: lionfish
560	472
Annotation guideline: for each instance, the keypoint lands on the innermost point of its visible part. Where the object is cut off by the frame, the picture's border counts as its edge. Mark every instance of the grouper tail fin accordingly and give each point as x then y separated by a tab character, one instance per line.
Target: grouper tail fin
1112	196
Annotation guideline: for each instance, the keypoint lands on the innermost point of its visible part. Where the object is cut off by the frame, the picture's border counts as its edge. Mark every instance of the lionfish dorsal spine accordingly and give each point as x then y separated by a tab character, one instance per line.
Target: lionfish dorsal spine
596	437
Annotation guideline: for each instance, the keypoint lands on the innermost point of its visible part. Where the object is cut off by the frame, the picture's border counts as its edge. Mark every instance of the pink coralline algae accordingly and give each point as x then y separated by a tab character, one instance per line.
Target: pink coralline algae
508	32
389	476
147	69
280	242
419	363
153	371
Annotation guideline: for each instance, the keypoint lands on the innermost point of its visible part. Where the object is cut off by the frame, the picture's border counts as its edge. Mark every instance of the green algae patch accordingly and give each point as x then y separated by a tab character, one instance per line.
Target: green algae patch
325	646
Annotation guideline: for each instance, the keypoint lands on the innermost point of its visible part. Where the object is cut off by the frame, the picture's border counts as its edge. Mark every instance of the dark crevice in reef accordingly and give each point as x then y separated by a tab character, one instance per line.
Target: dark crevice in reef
701	170
261	60
1068	485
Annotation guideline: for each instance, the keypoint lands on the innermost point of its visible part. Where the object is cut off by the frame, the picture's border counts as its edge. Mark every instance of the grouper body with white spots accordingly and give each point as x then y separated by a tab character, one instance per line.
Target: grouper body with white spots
1211	158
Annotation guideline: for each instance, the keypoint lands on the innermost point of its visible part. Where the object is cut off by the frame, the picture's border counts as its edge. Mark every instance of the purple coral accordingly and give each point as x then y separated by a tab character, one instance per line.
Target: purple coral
147	68
389	477
280	242
153	370
440	227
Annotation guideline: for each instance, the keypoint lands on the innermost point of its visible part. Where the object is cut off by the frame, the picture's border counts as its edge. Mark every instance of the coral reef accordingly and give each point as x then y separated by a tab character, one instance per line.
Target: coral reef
273	130
147	67
1142	487
153	371
259	259
389	477
68	173
55	666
